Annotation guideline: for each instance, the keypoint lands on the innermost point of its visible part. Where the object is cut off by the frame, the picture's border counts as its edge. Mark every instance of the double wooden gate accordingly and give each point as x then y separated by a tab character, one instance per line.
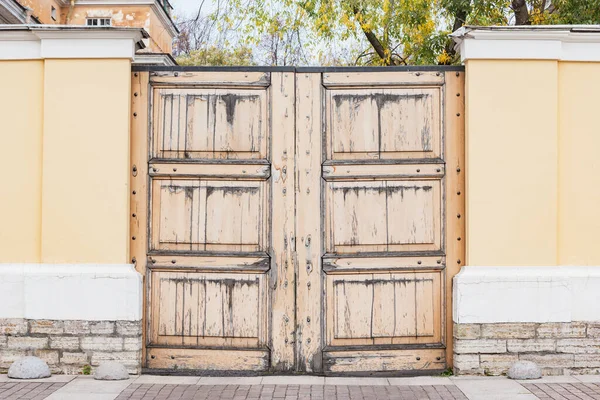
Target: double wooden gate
297	220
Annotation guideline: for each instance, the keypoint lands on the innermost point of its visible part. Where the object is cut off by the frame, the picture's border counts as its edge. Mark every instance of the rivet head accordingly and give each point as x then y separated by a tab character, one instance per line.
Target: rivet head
418	358
307	319
153	261
172	357
134	192
439	261
458	261
136	74
457	215
438	170
458	193
153	357
438	358
419	262
457	169
134	215
458	74
174	169
176	74
135	114
437	74
458	114
133	238
173	261
135	94
458	239
418	170
457	94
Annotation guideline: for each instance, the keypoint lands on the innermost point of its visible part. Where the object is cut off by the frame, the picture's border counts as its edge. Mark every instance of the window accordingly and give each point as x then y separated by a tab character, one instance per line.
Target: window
53	13
98	22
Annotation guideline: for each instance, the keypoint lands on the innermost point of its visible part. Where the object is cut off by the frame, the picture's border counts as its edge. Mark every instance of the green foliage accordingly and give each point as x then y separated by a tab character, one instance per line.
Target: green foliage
86	370
448	372
578	11
217	56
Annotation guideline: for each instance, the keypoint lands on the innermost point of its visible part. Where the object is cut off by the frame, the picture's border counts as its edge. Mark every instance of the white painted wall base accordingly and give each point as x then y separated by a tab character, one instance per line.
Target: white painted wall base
90	292
526	294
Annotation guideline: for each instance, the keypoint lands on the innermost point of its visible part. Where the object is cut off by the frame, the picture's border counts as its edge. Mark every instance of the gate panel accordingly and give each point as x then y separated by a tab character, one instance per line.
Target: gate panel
220	273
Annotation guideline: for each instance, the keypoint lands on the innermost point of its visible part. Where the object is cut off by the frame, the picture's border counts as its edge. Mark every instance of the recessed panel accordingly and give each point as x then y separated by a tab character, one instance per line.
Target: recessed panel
386	215
208	308
384	308
210	123
208	215
378	123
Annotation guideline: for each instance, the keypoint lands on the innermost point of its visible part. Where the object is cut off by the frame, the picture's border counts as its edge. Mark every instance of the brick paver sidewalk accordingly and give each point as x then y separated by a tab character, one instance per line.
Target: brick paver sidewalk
28	390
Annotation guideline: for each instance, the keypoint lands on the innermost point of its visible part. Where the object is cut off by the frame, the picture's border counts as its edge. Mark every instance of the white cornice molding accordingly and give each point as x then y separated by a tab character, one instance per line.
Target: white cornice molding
27	42
543	42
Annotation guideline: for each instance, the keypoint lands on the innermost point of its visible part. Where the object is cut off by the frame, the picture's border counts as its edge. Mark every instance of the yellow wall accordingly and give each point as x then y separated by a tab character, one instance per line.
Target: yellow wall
160	38
85	196
42	10
21	107
579	163
511	155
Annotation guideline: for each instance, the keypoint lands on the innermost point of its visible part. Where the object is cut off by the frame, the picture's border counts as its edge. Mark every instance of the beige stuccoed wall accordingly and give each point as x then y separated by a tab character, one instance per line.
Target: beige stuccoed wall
21	112
511	156
85	196
532	162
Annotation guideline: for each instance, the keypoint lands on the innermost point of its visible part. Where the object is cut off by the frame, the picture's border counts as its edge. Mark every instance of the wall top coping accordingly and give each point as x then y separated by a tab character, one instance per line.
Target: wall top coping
538	42
34	42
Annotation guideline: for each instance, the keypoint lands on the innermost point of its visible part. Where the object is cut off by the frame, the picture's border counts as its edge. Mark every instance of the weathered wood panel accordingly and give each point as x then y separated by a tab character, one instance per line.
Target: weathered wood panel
394	123
388	361
207	359
383	216
392	308
208	215
210	123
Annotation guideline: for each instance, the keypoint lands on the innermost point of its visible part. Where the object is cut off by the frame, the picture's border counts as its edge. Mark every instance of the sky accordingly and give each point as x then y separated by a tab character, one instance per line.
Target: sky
189	7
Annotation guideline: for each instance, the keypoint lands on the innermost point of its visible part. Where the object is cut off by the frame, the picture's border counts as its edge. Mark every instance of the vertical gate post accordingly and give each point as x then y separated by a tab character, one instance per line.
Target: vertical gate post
65	266
529	290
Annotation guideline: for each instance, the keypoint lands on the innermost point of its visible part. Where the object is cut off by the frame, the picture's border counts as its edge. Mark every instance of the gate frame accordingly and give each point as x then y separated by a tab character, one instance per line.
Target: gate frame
453	127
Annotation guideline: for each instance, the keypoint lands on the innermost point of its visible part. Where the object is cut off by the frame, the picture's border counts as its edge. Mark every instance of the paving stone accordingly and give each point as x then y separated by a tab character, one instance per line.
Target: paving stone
524	370
111	371
29	367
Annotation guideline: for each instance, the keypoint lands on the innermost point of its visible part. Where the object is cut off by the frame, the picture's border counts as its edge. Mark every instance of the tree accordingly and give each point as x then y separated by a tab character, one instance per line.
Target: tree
217	56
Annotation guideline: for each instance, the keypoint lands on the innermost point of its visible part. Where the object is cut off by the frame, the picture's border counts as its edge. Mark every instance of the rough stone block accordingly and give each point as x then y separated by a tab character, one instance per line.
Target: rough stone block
524	370
479	346
562	330
550	360
3	341
593	330
74	358
497	364
77	327
582	371
508	331
29	368
467	331
466	364
129	328
64	342
531	345
13	326
127	358
49	356
46	327
7	357
71	369
111	371
578	346
587	361
102	328
102	343
132	344
26	342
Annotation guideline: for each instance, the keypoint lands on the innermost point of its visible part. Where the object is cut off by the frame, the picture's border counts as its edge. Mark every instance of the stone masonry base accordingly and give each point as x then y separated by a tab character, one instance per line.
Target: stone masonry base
558	348
68	346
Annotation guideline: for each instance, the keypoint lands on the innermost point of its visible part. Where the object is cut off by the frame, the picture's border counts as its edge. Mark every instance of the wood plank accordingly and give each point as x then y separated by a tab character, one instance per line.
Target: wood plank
383	78
259	171
209	263
208	359
211	78
309	101
388	361
283	269
339	264
455	189
138	183
382	171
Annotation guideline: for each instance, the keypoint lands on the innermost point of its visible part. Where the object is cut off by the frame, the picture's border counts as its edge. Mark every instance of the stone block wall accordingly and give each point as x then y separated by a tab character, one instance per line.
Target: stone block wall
68	346
558	348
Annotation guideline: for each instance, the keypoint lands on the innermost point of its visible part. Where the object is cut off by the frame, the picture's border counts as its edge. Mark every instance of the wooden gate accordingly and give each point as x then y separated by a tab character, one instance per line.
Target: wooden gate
298	219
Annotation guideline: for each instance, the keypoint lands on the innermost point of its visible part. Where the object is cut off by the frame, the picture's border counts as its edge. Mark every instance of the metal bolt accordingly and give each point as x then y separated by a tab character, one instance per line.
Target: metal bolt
133	238
457	215
438	170
133	260
153	261
284	190
458	261
174	169
307	319
458	169
438	358
419	262
458	239
458	114
172	357
418	74
135	114
136	74
153	357
307	243
173	261
134	192
176	74
458	193
418	358
418	170
439	261
458	74
308	340
437	74
286	340
135	94
308	284
154	169
134	215
457	94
